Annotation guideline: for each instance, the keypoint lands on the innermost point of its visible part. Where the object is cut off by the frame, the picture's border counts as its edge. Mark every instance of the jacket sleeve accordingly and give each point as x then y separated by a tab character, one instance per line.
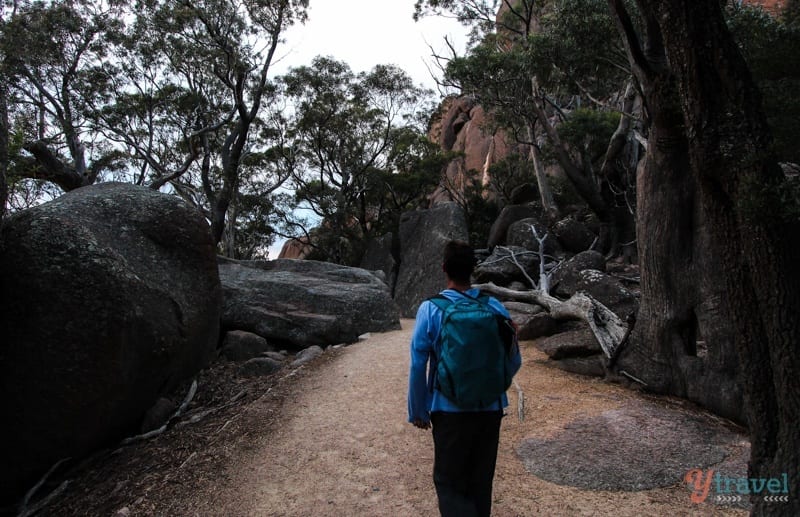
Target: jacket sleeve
422	340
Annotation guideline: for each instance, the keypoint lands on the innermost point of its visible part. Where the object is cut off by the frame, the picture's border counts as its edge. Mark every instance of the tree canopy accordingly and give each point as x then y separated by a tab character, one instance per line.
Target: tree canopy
164	94
356	150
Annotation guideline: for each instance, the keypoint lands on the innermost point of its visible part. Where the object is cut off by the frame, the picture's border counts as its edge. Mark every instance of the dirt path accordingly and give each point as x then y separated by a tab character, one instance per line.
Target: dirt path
340	445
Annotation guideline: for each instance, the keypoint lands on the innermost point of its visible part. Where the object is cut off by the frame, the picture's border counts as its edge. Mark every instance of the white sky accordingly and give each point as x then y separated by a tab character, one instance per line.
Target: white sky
365	33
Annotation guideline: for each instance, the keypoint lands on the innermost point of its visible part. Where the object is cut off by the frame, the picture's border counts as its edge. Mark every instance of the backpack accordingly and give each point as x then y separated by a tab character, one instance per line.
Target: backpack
474	345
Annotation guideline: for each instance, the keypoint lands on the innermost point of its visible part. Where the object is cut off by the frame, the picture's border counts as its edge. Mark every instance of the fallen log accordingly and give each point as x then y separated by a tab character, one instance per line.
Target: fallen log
609	330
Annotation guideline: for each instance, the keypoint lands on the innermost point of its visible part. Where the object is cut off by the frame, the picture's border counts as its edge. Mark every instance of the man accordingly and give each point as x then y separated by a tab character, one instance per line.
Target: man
465	438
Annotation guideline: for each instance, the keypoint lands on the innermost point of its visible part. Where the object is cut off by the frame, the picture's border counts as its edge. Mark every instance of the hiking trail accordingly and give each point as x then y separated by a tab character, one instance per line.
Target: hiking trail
340	445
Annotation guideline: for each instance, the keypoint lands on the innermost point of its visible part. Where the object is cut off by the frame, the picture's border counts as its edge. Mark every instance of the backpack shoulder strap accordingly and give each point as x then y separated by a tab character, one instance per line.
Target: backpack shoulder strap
441	301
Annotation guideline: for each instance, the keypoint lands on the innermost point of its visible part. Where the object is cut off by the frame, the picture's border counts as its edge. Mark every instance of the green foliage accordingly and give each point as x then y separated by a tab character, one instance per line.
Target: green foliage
589	130
480	15
359	153
508	174
771	47
552	82
414	170
151	91
480	210
578	49
773	202
791	14
482	214
255	229
52	58
565	193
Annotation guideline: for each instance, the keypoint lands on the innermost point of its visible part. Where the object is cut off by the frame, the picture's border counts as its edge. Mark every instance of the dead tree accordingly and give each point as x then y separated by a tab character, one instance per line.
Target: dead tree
609	330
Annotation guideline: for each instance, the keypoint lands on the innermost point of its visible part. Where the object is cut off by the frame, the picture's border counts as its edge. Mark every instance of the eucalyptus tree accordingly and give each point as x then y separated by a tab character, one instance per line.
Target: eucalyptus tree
194	83
350	134
553	73
718	236
51	51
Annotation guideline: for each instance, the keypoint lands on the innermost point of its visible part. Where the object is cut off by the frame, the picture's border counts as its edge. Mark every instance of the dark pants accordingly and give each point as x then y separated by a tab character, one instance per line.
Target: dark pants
465	453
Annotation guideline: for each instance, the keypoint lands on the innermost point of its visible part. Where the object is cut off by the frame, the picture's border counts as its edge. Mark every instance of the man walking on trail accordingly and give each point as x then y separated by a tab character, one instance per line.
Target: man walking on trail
466	422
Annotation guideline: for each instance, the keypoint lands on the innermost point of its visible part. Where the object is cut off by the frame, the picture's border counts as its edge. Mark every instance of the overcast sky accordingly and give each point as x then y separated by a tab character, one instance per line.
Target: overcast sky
364	33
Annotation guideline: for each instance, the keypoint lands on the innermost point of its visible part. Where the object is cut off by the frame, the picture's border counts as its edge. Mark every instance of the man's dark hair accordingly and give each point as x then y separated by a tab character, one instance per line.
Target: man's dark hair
459	261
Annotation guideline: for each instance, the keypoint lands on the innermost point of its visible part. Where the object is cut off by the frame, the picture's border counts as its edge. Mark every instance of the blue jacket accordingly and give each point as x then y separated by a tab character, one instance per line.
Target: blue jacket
421	402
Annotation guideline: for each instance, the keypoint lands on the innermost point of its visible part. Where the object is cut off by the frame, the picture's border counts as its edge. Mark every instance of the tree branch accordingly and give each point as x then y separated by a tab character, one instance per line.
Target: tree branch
53	168
609	330
636	55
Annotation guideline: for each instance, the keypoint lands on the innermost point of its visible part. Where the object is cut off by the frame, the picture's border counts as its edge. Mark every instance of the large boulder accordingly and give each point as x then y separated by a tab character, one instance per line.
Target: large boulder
509	215
564	278
378	257
110	297
573	235
602	287
300	303
579	342
575	351
238	345
520	234
423	235
532	321
508	264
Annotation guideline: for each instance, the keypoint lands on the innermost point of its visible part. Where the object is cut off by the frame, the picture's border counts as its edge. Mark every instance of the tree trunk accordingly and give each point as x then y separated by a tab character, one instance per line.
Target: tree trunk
755	234
615	184
545	192
750	238
3	148
682	343
48	166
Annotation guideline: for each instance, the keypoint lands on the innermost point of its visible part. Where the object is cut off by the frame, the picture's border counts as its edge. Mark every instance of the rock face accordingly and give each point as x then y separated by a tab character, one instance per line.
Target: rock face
572	343
110	297
509	215
501	269
423	234
573	235
295	249
459	128
299	303
238	345
520	234
604	288
378	257
568	272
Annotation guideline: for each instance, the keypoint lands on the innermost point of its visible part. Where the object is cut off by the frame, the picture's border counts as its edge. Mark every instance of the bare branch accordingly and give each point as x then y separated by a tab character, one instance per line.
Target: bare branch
620	136
609	330
544	278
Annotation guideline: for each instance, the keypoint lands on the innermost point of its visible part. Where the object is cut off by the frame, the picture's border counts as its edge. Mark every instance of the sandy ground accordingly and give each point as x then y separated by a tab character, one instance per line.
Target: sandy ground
330	438
340	445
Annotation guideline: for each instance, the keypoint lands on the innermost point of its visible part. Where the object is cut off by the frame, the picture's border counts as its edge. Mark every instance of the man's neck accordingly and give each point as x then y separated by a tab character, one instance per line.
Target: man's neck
458	286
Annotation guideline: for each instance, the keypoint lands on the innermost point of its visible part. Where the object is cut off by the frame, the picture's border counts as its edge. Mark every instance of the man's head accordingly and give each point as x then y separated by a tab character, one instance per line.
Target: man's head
459	261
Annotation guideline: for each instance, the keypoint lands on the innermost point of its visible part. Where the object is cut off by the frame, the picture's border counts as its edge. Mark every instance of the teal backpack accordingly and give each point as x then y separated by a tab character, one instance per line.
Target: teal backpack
472	353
